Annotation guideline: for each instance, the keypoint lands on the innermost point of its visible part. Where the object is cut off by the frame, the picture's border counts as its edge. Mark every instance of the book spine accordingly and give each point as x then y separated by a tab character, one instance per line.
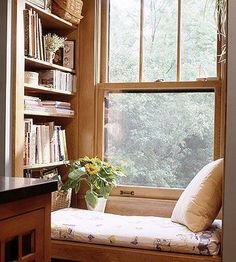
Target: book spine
65	144
47	146
26	31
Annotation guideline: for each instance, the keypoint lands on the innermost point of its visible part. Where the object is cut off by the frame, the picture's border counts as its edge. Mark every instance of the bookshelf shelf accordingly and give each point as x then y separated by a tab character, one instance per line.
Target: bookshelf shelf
45	90
51	21
38	64
40	166
40	113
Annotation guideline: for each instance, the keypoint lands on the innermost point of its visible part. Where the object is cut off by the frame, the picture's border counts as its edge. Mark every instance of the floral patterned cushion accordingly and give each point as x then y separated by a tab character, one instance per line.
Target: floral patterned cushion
144	232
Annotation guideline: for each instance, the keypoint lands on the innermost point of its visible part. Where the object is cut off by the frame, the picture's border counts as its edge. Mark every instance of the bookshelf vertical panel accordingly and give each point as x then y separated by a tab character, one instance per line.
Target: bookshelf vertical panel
18	83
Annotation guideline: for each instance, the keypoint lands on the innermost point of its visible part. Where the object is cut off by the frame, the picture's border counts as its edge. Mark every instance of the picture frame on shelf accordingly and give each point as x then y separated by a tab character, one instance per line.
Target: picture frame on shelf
69	54
58	59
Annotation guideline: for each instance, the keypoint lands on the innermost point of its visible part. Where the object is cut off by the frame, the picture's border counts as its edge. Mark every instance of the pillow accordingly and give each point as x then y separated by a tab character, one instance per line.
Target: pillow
200	202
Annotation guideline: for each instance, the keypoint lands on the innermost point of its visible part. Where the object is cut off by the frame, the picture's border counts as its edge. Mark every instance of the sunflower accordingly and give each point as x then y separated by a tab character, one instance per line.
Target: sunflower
91	169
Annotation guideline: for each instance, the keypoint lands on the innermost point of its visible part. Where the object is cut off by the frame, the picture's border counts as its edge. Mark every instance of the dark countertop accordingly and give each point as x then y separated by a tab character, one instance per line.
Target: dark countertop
15	188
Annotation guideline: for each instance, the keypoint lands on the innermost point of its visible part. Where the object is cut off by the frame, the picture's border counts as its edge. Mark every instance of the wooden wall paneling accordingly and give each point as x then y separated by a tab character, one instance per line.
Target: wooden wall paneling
87	80
18	86
139	206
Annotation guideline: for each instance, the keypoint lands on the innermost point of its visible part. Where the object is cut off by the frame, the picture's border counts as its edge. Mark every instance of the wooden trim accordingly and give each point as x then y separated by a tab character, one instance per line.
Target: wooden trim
77	251
149	192
141	40
100	123
87	80
217	124
190	85
104	40
178	41
18	80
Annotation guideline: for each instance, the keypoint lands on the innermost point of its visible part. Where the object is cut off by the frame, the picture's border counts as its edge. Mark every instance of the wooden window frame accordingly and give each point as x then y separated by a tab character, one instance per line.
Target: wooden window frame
103	86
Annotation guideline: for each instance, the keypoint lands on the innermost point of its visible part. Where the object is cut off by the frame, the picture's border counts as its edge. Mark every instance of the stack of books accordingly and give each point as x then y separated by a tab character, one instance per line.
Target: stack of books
34	39
58	80
44	143
57	107
32	103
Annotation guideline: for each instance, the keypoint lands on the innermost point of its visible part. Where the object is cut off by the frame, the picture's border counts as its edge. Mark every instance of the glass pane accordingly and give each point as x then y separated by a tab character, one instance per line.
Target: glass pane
160	40
198	39
160	139
124	41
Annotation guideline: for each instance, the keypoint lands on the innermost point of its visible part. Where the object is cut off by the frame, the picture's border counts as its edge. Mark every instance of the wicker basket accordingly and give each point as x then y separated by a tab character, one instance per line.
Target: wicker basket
61	200
69	10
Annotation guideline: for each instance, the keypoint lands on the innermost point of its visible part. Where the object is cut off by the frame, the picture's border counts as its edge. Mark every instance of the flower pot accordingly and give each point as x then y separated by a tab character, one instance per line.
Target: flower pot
100	207
50	56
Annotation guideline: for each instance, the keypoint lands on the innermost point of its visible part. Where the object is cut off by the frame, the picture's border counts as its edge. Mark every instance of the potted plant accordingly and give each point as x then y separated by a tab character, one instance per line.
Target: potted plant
52	44
100	176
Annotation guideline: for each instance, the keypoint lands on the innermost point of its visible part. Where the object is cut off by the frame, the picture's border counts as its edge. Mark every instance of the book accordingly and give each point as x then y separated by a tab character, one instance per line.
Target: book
26	31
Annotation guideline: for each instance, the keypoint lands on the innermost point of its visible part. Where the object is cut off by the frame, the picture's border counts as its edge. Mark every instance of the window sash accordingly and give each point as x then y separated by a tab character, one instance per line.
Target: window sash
105	9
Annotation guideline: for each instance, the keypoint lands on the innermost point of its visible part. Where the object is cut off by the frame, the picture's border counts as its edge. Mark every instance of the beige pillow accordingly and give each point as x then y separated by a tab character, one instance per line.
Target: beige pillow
200	202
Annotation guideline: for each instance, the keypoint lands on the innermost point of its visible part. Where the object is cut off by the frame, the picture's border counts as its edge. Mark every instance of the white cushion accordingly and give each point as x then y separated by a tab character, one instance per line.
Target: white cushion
201	201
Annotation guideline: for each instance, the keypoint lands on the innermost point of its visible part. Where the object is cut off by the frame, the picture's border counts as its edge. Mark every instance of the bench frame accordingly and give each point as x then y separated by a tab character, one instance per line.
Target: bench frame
83	252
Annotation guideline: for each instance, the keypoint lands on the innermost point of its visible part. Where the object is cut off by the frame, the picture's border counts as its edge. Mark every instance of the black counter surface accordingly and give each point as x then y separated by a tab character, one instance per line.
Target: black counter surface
16	188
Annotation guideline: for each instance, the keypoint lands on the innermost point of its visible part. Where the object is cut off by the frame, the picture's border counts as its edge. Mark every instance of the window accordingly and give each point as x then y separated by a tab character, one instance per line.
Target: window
161	39
161	139
154	118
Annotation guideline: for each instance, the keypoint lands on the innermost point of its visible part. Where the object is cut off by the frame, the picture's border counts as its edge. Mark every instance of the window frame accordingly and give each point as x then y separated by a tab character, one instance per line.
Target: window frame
103	86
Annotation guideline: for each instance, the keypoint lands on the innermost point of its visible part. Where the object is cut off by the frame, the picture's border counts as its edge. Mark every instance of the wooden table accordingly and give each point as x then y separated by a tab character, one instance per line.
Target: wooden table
25	206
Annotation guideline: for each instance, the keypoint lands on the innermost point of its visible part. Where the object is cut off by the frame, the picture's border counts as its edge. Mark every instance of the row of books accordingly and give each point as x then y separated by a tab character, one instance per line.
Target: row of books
34	39
44	143
58	80
32	103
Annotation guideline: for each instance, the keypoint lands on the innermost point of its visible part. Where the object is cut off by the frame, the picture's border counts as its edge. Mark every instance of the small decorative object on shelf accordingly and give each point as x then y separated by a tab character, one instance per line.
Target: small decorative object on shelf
69	10
53	43
68	54
32	78
100	176
44	4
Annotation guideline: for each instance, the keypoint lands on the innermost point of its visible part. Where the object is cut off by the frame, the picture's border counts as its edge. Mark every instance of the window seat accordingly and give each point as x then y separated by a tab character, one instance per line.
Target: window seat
137	232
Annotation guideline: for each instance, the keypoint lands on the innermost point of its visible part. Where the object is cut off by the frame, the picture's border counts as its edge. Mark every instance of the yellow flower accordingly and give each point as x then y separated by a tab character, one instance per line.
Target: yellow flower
91	169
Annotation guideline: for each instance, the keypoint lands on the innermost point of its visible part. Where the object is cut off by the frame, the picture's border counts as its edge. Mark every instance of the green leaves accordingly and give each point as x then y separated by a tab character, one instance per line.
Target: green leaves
98	175
91	198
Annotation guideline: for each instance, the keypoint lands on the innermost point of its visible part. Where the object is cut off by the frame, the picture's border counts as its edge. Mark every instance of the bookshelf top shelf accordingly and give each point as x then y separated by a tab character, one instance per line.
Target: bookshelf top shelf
51	21
38	64
40	166
45	90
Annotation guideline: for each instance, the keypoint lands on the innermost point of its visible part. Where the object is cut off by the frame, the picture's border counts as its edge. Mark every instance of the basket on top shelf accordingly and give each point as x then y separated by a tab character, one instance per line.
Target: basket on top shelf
69	10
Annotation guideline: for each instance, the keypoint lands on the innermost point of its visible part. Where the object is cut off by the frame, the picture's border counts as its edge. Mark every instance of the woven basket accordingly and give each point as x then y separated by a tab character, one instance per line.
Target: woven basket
61	200
69	10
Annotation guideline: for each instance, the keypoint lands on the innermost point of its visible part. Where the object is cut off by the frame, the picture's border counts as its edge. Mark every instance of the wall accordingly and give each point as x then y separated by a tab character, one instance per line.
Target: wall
229	237
5	87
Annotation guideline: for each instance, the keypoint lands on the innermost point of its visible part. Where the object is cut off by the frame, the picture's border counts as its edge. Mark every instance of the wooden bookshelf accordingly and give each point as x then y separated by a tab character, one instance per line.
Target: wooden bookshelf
49	165
41	113
45	90
51	24
51	21
38	64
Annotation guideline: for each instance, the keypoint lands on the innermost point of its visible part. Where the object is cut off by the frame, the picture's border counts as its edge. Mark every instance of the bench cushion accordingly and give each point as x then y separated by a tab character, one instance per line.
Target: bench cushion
145	232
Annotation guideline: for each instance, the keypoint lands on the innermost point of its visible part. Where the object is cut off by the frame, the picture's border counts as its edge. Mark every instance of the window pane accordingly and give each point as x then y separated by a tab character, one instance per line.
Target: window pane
160	40
124	41
198	39
160	139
